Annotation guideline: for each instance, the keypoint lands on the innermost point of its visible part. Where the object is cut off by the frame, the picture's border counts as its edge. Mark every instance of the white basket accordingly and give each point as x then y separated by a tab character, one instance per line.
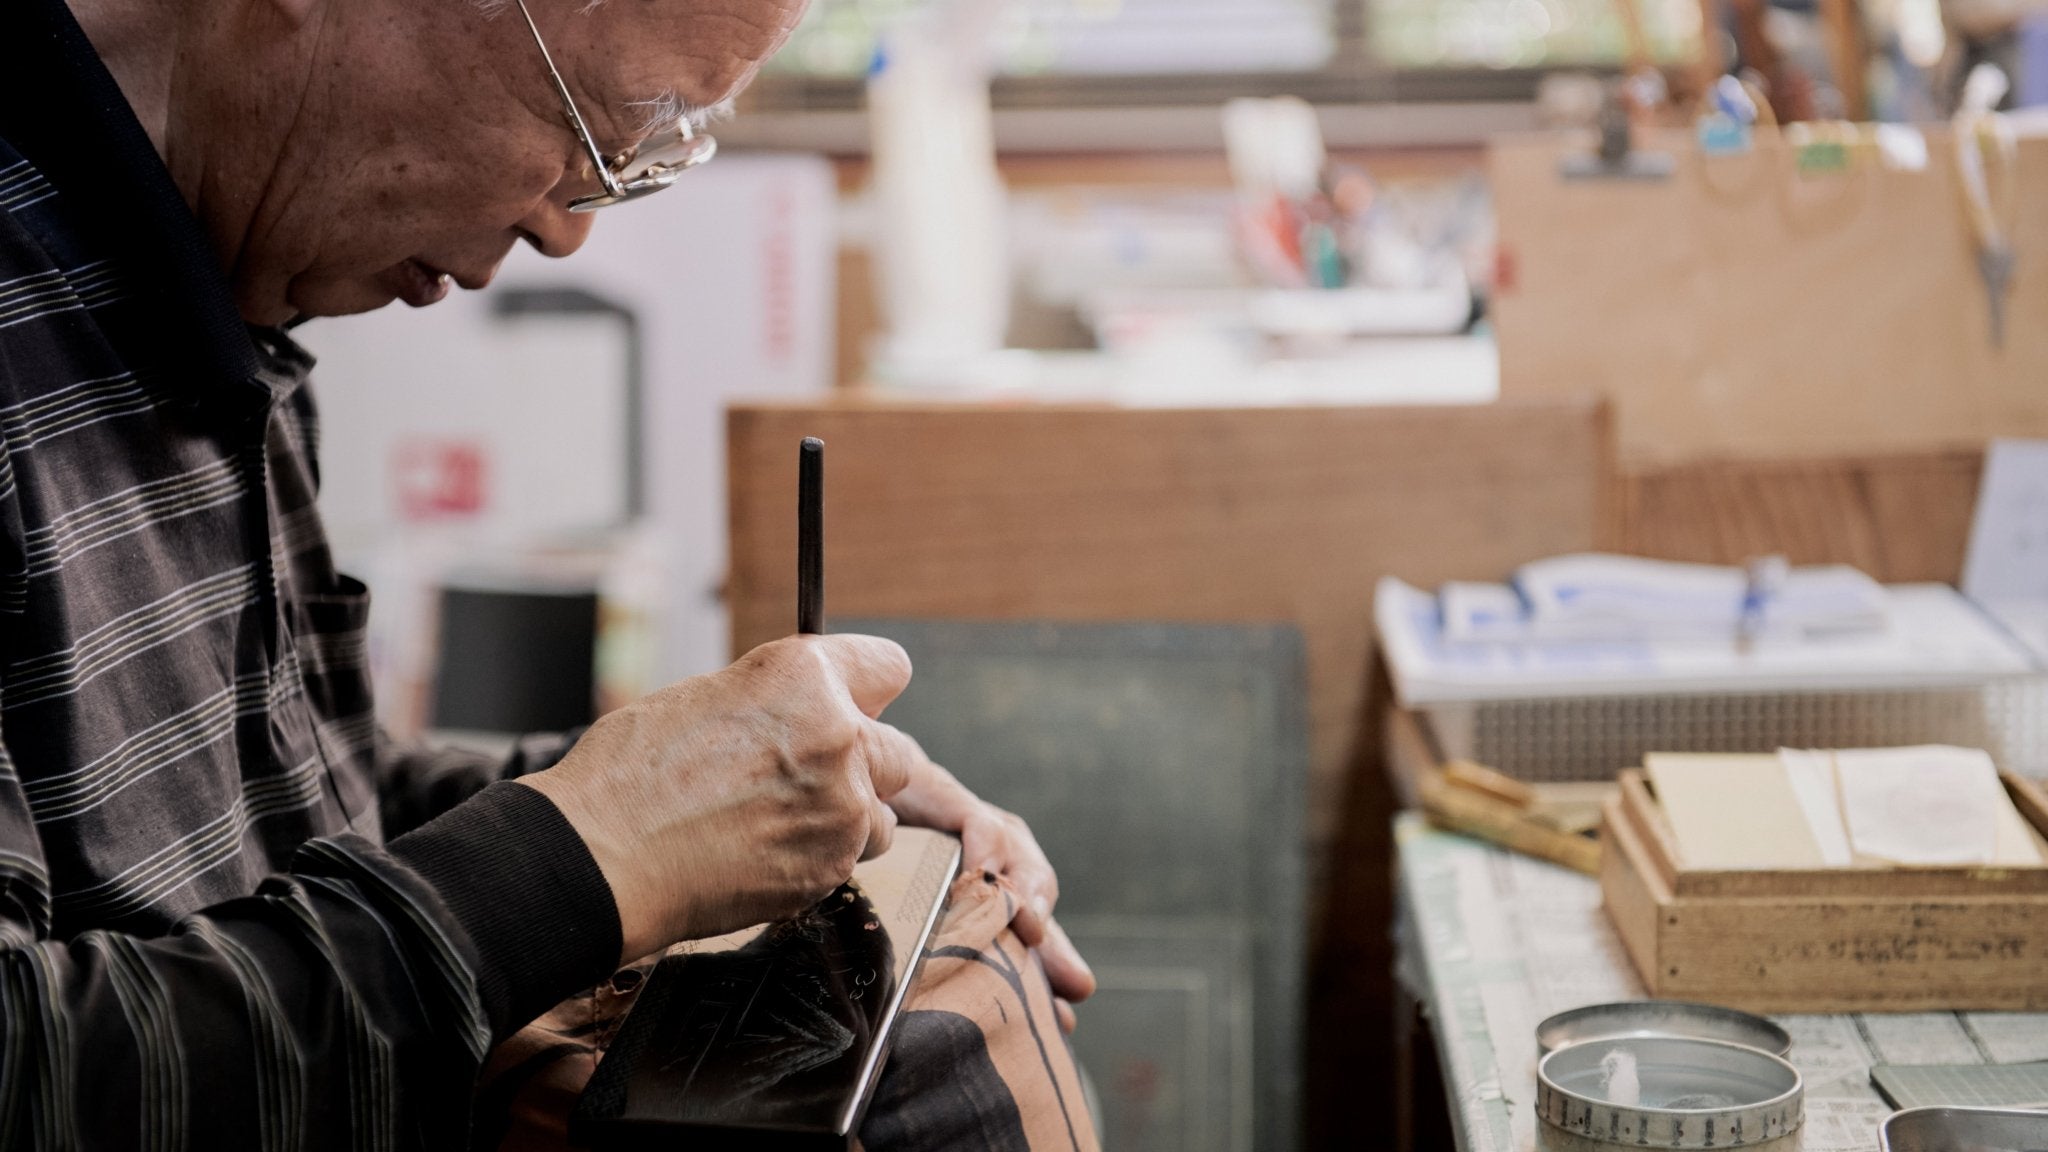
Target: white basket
1592	738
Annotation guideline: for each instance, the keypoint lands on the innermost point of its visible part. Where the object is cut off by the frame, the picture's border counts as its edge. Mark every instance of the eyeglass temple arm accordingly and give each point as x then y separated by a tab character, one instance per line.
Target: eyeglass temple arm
597	160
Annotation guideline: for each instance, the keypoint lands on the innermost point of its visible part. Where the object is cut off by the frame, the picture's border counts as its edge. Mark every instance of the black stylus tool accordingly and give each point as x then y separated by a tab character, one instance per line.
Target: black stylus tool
810	537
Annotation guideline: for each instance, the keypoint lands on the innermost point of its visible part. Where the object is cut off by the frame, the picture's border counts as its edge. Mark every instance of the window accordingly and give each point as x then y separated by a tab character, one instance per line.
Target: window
1090	37
1525	33
1120	52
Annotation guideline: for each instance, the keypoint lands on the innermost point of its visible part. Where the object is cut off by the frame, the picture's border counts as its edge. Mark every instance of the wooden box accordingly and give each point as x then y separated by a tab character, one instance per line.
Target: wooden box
1840	940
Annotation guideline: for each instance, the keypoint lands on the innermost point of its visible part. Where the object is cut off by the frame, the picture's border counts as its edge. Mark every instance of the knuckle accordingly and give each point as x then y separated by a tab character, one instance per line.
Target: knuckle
767	658
890	657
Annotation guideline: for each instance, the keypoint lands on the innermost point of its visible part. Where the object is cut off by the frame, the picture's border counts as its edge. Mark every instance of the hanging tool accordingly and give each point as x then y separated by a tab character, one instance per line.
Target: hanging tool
1981	132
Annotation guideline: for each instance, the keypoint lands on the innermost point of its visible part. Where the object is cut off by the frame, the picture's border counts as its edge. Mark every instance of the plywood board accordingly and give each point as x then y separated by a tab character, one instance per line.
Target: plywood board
1903	518
1078	513
1743	308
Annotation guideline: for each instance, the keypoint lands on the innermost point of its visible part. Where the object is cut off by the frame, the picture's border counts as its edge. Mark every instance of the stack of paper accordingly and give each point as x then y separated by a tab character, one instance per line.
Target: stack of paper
1869	808
1601	597
1935	639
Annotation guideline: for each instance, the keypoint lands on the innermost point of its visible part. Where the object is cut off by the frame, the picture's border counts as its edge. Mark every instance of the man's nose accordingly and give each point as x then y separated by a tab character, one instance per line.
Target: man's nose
553	230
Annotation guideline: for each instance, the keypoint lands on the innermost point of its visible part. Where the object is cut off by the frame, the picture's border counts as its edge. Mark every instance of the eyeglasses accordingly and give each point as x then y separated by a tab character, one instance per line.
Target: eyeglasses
640	171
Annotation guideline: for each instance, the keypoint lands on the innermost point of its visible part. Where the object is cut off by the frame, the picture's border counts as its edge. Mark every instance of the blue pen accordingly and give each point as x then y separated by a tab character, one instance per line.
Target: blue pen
1764	576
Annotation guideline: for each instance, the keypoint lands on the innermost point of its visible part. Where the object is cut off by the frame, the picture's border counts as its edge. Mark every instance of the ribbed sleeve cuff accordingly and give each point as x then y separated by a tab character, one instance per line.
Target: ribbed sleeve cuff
515	875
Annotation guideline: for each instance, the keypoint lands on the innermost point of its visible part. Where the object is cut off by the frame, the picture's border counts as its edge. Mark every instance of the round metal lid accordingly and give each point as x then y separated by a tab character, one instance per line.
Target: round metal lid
1689	1093
1642	1018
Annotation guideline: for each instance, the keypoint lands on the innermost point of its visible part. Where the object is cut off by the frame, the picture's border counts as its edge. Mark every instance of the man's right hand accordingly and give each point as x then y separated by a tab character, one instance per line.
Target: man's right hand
742	796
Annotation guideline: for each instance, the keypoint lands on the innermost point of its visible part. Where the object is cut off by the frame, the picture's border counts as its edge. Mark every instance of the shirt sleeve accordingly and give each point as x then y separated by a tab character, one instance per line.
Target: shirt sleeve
418	782
347	1003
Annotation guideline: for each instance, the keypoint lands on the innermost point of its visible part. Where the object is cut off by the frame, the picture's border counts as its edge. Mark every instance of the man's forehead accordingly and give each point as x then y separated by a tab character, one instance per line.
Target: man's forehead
662	59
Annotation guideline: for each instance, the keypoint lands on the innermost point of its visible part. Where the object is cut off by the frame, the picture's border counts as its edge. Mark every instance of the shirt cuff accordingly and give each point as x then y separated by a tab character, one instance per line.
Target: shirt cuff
519	880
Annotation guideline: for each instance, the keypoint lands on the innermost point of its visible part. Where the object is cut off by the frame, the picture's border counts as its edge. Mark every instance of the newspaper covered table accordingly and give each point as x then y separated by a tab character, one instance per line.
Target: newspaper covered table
1493	942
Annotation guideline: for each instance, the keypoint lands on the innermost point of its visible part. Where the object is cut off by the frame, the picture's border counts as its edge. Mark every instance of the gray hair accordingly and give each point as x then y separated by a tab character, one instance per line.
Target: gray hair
664	109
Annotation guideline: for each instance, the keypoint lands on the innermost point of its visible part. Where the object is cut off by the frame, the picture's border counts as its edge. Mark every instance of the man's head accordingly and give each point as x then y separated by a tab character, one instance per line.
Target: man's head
379	144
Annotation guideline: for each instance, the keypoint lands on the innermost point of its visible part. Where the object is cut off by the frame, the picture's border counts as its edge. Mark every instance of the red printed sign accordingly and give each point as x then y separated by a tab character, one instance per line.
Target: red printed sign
440	479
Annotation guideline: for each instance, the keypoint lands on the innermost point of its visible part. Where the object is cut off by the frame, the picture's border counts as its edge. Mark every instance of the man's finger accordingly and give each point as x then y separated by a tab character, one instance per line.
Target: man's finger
1064	1013
891	755
1070	976
874	670
1030	923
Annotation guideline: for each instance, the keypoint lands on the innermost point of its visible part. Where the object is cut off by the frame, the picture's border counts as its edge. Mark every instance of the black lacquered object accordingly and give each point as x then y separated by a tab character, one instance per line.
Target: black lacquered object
774	1038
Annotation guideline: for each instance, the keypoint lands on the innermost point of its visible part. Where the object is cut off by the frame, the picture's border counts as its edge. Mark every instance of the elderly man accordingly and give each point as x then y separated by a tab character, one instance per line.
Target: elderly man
206	938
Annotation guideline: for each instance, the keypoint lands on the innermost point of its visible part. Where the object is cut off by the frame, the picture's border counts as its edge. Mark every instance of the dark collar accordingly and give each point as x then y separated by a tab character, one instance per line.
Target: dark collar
61	109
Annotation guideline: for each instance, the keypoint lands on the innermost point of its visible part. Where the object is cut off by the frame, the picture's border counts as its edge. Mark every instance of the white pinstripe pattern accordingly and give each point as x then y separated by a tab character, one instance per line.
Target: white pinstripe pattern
280	1073
146	1004
48	293
133	510
339	652
368	1057
30	423
298	532
67	794
29	878
64	672
455	978
22	187
33	993
349	738
205	847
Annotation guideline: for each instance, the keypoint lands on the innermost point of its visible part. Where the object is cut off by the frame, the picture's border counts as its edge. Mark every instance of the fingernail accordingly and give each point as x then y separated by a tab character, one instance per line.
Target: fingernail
1042	906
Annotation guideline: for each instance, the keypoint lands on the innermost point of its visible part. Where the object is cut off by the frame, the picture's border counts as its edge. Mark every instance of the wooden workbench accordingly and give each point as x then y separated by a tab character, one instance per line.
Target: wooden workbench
1492	943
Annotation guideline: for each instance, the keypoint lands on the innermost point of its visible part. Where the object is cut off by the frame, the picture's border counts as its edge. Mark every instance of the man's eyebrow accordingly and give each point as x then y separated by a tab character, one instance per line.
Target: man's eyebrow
493	7
665	108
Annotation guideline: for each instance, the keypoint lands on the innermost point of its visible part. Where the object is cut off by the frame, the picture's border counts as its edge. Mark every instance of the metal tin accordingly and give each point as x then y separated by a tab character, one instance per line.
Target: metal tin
1641	1018
1694	1094
1947	1129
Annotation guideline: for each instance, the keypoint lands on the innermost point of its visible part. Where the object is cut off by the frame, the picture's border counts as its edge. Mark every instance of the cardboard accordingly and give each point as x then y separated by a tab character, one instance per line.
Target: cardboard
1732	812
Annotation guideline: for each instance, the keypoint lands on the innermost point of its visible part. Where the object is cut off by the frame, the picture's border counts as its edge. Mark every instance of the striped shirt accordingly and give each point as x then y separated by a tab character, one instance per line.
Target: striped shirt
205	941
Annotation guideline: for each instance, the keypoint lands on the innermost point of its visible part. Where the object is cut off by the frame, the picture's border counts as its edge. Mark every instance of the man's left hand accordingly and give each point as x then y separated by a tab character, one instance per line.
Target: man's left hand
999	842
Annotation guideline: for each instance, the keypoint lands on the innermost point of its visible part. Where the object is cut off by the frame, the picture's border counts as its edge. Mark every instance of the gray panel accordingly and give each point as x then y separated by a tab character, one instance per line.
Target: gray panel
1167	1037
1163	769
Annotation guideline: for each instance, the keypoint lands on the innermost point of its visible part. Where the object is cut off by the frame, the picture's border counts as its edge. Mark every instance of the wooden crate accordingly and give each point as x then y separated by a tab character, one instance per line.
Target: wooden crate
1840	940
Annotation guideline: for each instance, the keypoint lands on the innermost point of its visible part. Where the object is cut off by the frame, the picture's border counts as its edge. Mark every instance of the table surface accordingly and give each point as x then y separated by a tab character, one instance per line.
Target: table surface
1493	942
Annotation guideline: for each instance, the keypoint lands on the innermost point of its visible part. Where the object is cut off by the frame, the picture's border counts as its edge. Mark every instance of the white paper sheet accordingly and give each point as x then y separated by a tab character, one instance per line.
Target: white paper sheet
1930	805
1812	775
1937	639
2008	556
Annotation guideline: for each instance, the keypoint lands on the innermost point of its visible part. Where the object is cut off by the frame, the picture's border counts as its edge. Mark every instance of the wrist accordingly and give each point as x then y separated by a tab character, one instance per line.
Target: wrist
639	924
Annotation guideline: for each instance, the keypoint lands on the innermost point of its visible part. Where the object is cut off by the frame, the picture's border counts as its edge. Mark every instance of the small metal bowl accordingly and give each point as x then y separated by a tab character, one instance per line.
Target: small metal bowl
1693	1094
1950	1129
1640	1018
